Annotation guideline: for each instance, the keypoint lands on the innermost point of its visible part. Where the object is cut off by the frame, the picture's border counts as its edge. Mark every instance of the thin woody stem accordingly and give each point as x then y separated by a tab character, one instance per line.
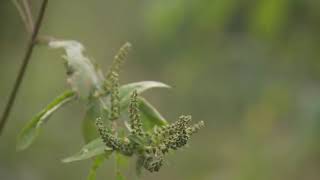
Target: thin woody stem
25	62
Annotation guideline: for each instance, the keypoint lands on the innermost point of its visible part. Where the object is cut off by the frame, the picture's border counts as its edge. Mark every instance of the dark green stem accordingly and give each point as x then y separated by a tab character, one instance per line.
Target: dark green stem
25	62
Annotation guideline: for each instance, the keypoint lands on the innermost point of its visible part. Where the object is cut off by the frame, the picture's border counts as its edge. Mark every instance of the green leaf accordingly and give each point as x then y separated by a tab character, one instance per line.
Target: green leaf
125	91
149	115
94	110
119	176
121	164
32	128
97	162
92	149
89	130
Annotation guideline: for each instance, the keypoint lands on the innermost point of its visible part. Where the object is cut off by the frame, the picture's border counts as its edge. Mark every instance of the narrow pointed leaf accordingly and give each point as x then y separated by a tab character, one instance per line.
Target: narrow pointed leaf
119	176
121	165
32	128
92	149
125	91
93	171
94	110
149	115
97	162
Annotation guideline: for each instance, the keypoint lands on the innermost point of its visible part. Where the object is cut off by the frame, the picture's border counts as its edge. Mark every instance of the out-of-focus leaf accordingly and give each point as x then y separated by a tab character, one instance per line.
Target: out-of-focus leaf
269	17
214	15
97	162
32	128
119	176
121	163
84	77
125	91
94	148
164	17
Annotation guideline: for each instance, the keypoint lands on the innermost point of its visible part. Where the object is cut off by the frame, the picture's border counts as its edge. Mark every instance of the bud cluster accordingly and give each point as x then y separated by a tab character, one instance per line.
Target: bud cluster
112	141
152	148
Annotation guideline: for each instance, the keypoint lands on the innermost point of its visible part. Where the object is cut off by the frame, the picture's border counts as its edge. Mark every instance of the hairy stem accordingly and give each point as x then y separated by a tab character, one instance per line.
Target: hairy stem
25	62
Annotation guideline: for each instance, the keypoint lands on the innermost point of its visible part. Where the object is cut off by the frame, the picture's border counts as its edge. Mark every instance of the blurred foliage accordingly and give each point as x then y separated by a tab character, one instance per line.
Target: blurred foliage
249	68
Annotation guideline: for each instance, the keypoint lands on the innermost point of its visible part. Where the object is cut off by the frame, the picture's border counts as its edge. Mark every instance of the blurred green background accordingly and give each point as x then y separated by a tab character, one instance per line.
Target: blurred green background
249	69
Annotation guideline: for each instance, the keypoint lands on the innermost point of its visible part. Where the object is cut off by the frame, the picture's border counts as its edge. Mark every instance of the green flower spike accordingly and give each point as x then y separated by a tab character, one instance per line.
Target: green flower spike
135	121
115	99
118	61
113	141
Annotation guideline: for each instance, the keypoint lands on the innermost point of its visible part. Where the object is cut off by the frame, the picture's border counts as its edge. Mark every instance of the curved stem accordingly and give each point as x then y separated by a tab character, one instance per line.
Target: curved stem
25	62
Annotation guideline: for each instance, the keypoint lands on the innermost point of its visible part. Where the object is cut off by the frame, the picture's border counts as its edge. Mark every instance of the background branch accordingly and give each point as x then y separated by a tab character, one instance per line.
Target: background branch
26	59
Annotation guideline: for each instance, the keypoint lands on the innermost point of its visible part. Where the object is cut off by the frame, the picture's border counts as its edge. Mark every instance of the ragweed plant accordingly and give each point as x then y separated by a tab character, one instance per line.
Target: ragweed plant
150	147
149	136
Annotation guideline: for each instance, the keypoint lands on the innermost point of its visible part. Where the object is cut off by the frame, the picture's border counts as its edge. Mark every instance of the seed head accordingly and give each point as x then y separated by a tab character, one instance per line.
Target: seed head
115	99
194	128
113	141
135	121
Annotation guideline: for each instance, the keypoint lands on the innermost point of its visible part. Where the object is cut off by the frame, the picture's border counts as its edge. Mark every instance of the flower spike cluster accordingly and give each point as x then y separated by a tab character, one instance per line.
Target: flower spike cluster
150	147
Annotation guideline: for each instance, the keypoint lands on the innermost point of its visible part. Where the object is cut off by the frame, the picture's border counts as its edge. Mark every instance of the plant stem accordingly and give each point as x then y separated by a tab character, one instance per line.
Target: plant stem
25	62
